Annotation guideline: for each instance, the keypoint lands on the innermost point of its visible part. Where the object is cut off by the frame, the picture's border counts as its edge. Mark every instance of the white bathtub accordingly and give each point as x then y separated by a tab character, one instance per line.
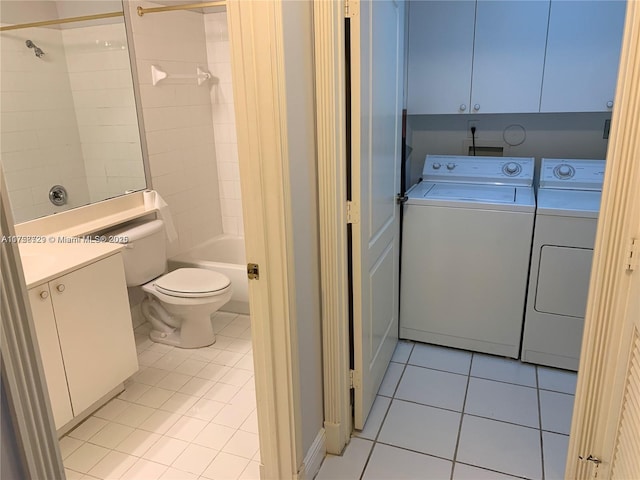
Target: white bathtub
224	254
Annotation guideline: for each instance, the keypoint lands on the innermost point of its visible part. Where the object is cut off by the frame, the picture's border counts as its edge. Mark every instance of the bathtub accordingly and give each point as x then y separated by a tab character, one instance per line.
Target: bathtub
224	254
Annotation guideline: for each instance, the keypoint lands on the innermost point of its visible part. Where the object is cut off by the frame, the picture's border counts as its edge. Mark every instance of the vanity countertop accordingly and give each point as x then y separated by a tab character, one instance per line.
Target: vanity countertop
42	262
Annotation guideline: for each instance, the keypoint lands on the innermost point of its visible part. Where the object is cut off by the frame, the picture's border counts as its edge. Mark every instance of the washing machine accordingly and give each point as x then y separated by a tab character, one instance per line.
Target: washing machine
466	247
566	219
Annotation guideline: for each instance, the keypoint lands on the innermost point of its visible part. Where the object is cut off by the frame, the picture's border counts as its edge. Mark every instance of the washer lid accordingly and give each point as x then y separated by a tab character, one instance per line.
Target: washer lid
473	193
192	282
568	203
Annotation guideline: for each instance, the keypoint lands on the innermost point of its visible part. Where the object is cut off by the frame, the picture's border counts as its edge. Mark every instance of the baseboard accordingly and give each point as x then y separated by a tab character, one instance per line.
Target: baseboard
314	457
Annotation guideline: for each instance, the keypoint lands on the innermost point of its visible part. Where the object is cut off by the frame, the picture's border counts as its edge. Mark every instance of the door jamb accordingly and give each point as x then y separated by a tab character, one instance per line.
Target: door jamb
332	144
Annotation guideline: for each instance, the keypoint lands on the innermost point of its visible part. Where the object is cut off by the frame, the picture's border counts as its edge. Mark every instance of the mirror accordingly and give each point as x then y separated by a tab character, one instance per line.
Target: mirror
69	131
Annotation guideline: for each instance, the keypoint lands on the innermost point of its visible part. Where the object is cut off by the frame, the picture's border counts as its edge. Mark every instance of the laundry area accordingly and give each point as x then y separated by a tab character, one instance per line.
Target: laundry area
506	120
506	139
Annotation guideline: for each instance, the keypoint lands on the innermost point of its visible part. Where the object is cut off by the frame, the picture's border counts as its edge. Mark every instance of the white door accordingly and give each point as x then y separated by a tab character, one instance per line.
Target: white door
377	53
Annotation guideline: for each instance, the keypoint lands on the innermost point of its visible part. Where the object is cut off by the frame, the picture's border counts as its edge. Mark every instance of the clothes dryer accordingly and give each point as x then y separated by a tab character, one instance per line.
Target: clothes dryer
565	229
466	246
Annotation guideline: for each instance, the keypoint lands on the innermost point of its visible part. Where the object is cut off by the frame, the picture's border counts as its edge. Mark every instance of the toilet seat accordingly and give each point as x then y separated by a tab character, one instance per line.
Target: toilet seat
192	283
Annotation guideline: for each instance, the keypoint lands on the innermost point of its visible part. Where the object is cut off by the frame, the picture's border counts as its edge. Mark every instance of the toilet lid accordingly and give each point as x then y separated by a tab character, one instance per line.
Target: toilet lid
192	282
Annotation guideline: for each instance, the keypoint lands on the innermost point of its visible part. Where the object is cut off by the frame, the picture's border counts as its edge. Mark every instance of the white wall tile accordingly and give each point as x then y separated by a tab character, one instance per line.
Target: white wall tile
178	122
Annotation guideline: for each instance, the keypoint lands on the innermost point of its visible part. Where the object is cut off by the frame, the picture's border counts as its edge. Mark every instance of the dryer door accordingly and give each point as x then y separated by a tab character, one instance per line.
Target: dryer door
563	280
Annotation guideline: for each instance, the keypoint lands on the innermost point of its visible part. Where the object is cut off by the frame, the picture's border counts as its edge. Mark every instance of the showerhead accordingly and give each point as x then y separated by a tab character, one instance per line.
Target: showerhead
36	49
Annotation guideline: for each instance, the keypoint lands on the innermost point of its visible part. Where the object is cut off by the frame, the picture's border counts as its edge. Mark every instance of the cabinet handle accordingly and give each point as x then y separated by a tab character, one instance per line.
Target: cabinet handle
44	295
476	107
463	107
60	288
609	104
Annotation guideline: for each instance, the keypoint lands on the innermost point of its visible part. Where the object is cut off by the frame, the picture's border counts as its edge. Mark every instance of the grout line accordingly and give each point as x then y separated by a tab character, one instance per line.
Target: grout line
540	424
375	440
492	470
464	405
437	369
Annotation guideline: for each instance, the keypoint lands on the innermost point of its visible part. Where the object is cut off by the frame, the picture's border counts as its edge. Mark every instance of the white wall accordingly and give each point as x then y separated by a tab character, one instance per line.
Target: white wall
224	126
100	77
560	135
298	44
40	143
178	121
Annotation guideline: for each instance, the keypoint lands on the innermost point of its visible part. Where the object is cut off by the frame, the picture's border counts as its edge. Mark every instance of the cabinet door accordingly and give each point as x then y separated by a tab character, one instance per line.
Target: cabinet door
440	56
49	346
508	57
583	52
94	325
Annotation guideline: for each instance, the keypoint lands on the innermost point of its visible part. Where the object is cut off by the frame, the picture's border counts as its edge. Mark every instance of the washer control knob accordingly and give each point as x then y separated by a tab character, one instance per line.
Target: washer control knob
451	166
436	166
564	171
511	168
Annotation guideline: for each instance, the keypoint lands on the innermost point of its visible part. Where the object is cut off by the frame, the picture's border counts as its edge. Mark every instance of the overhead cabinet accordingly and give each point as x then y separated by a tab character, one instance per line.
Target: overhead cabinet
583	52
520	56
440	56
478	57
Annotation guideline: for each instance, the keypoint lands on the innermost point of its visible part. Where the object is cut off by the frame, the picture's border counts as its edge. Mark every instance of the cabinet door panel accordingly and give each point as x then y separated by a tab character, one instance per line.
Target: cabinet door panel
49	346
440	56
583	52
95	329
508	57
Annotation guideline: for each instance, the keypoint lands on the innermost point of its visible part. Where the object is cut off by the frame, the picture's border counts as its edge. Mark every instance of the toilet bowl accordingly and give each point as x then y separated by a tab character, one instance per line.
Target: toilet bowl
178	304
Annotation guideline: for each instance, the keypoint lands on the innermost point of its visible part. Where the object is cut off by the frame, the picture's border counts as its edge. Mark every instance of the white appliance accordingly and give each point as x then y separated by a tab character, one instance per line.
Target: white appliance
565	229
466	246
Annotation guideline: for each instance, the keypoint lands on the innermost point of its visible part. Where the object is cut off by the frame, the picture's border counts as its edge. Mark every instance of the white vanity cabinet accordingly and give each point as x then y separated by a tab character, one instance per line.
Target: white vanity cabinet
475	57
85	335
583	52
49	345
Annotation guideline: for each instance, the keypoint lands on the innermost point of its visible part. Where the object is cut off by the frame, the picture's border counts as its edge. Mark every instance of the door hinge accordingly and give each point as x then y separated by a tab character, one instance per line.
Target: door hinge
401	199
354	379
351	379
353	212
633	258
253	271
350	8
595	461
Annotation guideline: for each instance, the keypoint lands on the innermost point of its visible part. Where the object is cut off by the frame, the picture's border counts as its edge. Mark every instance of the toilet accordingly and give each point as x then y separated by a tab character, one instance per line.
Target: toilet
178	304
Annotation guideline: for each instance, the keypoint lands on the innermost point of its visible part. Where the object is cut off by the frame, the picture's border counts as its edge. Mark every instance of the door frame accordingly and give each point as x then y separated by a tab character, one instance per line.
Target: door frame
331	98
256	31
329	49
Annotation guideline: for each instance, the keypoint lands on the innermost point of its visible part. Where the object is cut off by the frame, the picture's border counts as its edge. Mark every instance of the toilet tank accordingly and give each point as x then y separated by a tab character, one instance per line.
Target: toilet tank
145	253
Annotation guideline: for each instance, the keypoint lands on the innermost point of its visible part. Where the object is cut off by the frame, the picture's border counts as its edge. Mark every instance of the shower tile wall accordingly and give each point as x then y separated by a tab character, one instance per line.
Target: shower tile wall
40	142
226	143
100	77
178	121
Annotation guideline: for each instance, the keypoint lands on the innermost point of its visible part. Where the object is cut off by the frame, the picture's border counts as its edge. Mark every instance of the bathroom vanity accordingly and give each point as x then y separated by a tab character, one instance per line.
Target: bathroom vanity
82	320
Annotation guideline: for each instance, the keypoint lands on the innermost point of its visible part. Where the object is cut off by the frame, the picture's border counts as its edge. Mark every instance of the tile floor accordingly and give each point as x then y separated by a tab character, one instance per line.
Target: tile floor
443	413
186	414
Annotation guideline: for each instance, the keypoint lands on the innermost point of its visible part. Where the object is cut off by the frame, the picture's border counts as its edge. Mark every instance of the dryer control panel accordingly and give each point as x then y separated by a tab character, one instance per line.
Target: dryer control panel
571	174
484	170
